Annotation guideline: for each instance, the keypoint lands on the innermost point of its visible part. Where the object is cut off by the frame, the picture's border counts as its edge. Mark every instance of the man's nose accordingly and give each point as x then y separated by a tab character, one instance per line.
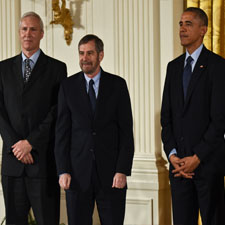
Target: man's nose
85	56
182	28
28	31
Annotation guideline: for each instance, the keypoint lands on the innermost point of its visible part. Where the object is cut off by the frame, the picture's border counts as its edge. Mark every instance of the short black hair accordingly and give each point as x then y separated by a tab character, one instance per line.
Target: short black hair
199	13
91	37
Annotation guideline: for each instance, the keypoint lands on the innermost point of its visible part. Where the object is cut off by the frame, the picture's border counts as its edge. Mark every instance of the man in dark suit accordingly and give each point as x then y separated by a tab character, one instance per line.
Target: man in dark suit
94	139
193	125
29	84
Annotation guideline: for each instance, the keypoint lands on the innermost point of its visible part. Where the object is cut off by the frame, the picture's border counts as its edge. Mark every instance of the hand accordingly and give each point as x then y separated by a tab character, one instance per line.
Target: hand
64	181
27	159
21	148
188	164
119	180
175	161
177	164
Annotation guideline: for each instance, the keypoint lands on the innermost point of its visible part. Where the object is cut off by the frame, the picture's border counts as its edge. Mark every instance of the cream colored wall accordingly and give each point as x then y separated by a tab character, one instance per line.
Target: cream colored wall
140	37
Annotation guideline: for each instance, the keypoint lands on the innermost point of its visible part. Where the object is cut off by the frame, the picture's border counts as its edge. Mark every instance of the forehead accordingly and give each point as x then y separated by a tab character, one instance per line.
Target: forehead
30	21
189	16
88	46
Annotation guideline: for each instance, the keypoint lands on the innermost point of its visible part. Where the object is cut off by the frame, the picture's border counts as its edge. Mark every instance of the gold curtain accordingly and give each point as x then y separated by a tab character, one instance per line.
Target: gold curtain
215	36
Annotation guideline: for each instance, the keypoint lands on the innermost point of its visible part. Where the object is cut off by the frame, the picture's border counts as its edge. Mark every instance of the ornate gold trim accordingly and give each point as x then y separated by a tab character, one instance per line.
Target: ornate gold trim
62	16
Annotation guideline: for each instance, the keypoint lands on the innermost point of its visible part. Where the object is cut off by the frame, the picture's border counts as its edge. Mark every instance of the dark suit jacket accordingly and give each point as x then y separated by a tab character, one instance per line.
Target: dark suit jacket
108	137
29	112
196	125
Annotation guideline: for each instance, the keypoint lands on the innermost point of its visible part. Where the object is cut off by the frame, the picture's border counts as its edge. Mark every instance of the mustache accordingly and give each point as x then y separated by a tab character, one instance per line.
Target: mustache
86	63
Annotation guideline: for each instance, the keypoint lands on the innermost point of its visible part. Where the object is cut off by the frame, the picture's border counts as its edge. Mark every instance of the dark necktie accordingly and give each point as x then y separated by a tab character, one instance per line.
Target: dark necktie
92	96
187	75
27	70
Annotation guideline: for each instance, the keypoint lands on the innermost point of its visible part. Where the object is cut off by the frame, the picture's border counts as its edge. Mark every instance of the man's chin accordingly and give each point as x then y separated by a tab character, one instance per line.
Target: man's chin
86	71
28	48
184	44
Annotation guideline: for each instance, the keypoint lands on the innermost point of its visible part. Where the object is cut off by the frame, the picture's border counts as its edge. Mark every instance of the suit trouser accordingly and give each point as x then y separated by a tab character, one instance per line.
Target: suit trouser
110	204
23	193
205	192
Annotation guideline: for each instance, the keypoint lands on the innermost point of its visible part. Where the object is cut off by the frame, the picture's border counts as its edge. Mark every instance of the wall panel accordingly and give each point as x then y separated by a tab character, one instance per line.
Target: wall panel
9	17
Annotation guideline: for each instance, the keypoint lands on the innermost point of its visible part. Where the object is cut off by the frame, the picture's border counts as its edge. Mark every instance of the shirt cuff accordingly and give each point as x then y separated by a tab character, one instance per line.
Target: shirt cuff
63	174
173	152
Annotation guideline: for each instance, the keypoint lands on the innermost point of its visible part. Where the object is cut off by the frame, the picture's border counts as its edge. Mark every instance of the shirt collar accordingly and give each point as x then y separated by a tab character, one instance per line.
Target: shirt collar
195	54
95	78
34	57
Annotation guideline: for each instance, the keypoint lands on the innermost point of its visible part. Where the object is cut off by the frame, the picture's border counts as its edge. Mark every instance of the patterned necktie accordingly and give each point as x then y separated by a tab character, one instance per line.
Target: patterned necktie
187	75
92	96
27	70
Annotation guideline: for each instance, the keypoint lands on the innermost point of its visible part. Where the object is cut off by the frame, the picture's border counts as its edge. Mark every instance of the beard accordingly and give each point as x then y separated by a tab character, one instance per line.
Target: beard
90	67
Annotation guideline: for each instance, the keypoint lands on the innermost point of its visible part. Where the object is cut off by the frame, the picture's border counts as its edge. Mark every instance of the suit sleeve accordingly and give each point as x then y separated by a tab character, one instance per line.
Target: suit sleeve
63	134
40	136
126	140
7	132
213	137
167	135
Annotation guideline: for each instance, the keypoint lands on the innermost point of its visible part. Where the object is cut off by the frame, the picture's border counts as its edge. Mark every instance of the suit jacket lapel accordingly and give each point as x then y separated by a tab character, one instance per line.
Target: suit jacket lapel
198	70
38	69
83	96
17	71
179	72
103	92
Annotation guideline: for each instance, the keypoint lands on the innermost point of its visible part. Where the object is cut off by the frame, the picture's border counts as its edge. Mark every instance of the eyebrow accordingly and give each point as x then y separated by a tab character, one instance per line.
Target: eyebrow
186	21
90	51
27	27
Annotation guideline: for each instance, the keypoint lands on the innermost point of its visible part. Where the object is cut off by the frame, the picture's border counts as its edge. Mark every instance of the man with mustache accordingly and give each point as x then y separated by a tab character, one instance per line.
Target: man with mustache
193	126
94	139
29	84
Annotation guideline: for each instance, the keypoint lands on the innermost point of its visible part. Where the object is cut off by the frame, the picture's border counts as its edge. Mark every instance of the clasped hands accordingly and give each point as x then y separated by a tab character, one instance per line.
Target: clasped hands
184	167
21	151
119	181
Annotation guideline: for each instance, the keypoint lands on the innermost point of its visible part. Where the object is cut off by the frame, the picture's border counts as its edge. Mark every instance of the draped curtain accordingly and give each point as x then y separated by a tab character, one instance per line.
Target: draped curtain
215	36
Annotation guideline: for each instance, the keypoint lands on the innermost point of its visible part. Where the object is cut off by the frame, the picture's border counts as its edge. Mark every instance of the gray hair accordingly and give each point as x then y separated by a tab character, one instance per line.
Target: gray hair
28	14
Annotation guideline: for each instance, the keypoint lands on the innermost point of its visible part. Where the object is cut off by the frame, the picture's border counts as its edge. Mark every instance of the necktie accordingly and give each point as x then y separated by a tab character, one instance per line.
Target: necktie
27	70
187	75
92	96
